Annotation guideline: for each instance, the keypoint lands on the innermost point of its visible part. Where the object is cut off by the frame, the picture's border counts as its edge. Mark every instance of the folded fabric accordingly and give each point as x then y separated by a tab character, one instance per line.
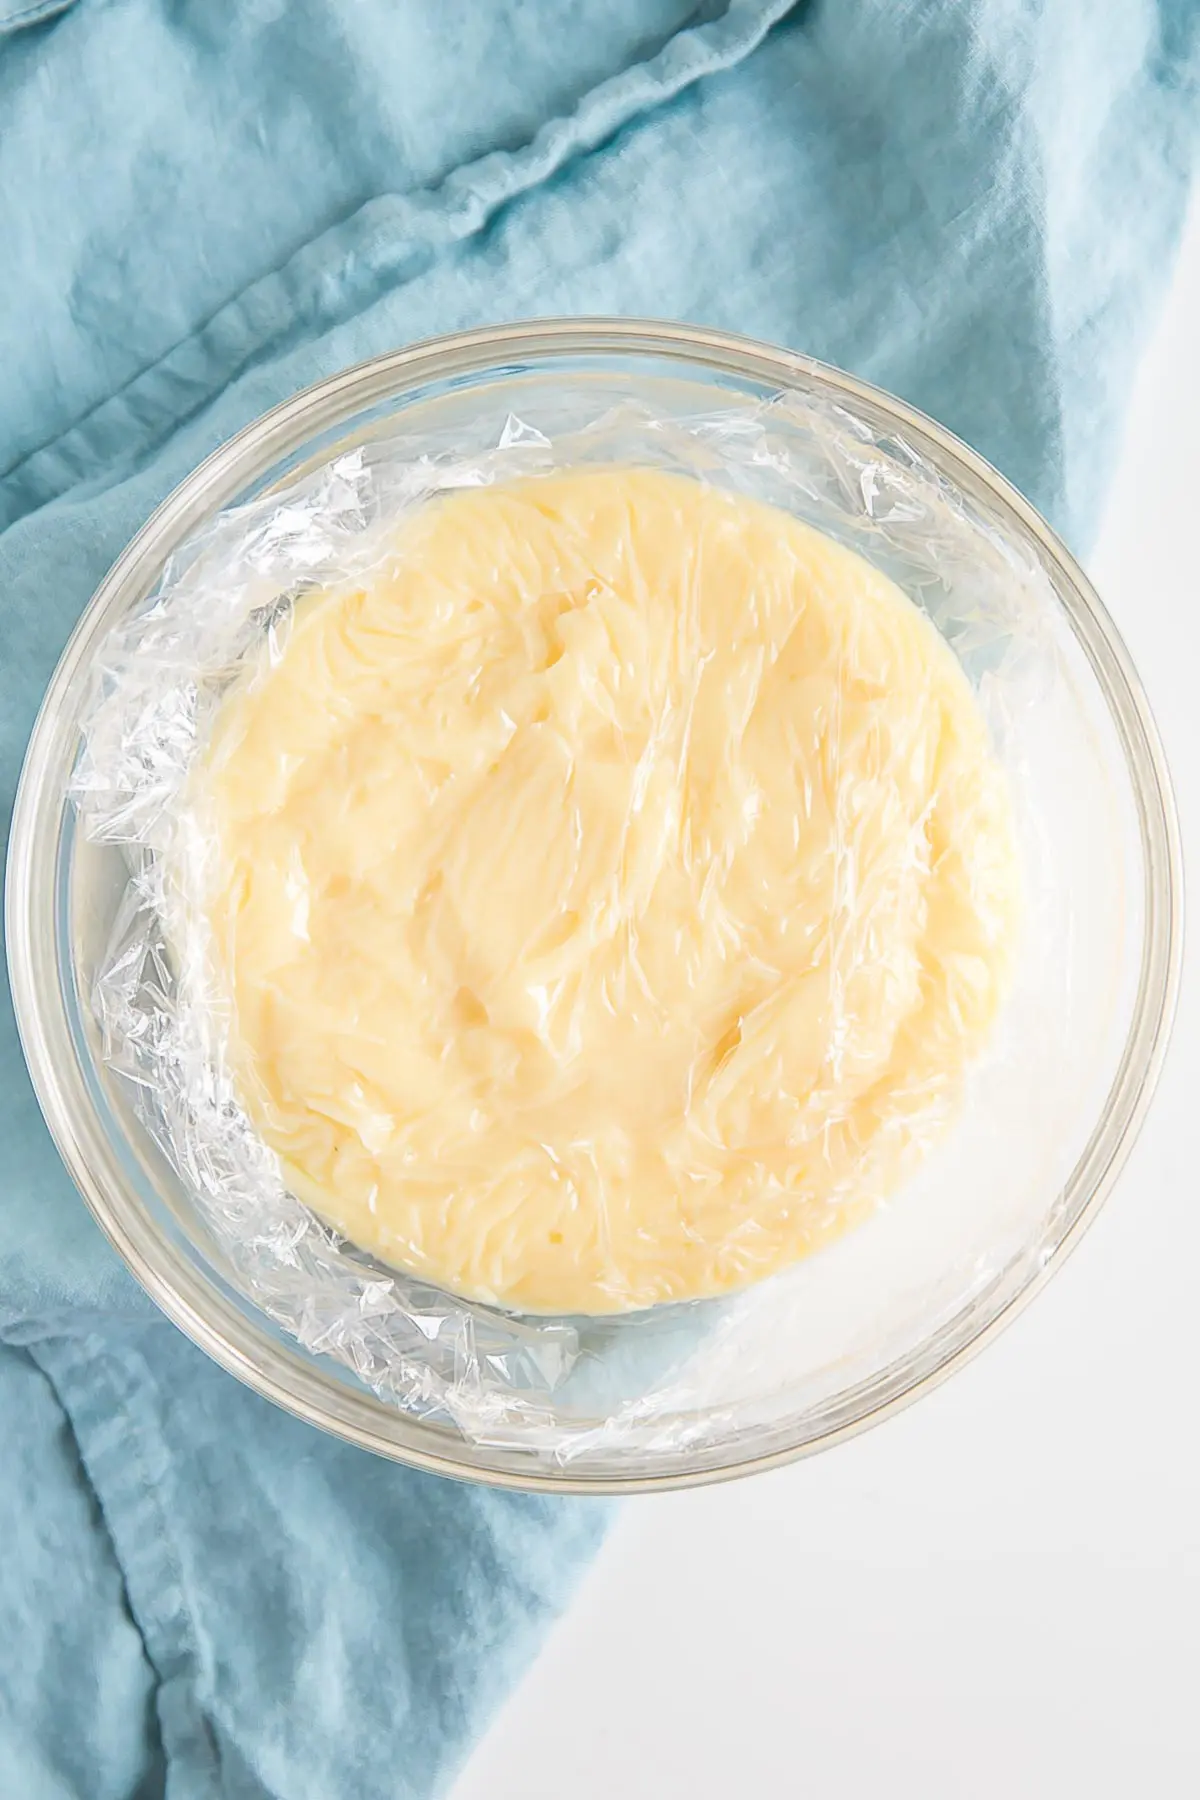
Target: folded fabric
206	204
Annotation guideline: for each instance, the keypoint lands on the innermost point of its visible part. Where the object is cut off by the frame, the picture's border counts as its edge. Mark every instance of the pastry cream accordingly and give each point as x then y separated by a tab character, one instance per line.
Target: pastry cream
610	891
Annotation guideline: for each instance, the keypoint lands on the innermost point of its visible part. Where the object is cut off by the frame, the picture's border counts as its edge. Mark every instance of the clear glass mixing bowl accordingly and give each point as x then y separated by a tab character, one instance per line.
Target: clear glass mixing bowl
863	1327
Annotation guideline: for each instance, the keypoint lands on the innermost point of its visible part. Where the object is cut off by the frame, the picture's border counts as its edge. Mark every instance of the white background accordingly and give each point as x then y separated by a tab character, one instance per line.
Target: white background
996	1595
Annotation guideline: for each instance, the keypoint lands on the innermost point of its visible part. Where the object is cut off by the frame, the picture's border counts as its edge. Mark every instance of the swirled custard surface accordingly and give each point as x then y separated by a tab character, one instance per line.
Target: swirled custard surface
610	891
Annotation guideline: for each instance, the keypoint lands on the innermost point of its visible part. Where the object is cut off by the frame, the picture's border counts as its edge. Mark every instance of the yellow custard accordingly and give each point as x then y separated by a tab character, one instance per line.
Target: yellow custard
610	889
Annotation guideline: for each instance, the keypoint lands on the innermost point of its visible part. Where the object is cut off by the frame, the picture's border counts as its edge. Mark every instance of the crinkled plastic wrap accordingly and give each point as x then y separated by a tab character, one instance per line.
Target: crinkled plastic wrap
226	603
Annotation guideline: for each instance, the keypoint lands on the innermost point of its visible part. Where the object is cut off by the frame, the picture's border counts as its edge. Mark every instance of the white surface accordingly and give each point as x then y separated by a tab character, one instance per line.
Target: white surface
996	1595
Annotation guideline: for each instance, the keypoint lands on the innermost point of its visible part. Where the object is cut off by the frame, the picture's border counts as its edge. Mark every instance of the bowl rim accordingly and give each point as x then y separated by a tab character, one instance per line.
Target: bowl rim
237	1341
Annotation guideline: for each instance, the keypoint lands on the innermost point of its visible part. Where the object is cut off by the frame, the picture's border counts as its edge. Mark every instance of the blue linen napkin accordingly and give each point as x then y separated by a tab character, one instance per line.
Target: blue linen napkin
205	204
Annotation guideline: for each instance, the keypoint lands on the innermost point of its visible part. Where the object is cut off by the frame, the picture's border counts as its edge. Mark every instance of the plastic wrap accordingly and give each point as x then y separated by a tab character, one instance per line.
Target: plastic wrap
224	614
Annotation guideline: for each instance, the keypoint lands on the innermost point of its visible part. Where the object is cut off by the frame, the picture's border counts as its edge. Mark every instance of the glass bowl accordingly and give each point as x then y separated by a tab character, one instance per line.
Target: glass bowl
867	1325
